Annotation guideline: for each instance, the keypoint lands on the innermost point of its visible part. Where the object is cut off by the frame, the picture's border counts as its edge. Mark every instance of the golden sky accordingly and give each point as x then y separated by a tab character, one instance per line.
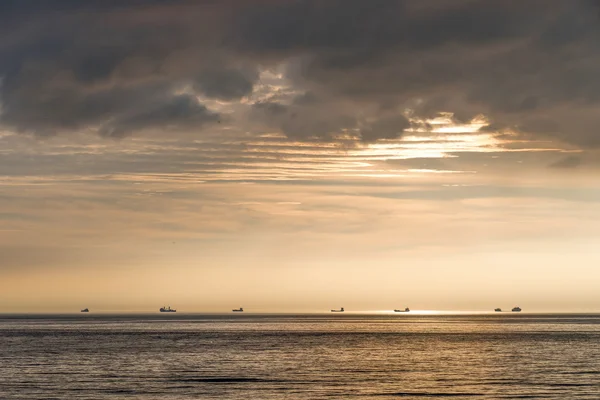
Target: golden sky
466	221
298	157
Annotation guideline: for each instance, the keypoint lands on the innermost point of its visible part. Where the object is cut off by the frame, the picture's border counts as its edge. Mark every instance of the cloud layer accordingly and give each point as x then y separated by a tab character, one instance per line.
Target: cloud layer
343	68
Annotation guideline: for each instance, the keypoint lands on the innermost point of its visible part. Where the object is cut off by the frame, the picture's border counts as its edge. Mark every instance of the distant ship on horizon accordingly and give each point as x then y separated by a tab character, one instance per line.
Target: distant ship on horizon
516	309
340	310
238	309
405	310
498	309
85	310
167	309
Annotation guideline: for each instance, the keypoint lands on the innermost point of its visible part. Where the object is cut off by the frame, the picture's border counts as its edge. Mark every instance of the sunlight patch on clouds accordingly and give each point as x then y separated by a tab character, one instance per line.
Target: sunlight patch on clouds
445	123
270	156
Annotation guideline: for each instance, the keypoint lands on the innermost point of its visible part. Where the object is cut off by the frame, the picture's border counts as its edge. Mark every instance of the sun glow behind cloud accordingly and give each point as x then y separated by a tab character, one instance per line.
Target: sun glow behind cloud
270	156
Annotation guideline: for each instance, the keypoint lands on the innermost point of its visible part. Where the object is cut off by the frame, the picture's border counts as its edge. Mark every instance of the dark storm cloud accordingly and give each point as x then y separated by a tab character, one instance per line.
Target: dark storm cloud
307	117
299	121
530	65
178	112
226	84
385	128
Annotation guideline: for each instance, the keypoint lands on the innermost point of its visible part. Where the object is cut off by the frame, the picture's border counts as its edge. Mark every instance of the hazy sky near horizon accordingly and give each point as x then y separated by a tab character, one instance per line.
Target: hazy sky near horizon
299	155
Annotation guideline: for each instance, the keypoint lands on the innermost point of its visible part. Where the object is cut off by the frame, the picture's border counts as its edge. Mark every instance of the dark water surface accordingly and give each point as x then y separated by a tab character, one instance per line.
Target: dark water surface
249	356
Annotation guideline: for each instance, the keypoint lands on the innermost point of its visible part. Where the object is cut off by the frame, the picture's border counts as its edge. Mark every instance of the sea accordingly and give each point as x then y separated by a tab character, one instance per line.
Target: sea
306	356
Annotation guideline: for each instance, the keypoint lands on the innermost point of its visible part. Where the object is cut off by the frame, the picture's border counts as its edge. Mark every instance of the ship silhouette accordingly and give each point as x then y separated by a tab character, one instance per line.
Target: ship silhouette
405	310
238	309
340	310
167	309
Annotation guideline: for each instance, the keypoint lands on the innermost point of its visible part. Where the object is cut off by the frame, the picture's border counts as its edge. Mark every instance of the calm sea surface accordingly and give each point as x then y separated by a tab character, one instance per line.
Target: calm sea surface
180	356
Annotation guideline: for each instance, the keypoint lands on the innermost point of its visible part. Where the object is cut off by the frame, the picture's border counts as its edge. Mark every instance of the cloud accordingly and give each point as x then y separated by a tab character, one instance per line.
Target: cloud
310	117
175	113
385	128
567	162
529	65
226	84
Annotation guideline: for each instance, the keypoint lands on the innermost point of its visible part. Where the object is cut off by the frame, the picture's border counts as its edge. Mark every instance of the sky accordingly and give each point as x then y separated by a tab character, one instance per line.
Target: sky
298	156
